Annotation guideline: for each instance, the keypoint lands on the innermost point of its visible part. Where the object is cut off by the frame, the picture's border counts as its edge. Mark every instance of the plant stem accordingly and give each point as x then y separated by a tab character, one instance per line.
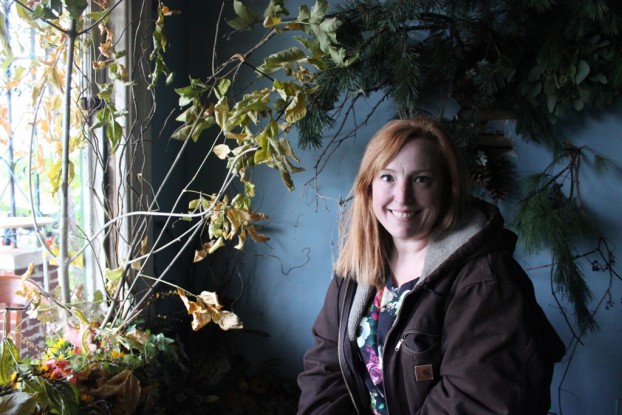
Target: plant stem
64	260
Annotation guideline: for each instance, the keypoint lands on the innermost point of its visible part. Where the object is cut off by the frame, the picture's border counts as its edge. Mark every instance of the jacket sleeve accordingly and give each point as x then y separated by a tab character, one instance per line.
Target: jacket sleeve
490	362
323	390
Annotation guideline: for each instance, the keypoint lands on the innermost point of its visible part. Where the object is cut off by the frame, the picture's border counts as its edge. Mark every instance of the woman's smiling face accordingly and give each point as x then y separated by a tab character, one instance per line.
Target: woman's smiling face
408	192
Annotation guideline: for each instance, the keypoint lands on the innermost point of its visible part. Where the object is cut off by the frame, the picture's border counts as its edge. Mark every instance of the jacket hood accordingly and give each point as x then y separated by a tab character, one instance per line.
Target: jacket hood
479	232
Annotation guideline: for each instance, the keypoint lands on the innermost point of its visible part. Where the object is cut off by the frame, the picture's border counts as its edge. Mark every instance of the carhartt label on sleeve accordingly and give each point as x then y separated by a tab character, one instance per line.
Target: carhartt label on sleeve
424	372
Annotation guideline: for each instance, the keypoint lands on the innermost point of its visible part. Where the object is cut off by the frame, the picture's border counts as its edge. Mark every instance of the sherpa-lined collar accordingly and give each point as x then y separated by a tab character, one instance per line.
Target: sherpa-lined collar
440	248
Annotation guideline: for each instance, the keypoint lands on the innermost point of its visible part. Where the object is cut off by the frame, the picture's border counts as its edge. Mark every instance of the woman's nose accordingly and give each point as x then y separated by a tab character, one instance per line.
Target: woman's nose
403	192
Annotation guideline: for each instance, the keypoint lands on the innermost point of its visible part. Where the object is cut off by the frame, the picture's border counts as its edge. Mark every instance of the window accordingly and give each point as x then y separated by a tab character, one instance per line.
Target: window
34	66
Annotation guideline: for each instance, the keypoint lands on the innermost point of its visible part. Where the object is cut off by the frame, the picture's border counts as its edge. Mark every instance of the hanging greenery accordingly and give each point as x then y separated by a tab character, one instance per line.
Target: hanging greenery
534	62
537	61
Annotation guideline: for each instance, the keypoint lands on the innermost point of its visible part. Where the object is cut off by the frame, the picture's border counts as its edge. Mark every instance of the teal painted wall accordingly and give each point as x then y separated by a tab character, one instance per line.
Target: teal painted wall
282	283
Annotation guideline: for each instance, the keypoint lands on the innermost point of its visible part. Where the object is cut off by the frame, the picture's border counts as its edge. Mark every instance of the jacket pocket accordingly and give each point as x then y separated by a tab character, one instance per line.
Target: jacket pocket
420	352
419	344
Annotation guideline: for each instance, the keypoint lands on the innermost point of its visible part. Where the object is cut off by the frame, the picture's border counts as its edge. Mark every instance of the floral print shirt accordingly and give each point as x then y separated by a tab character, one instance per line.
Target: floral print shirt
373	330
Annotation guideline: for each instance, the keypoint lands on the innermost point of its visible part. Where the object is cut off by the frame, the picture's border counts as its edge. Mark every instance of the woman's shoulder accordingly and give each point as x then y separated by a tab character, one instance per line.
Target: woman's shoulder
493	266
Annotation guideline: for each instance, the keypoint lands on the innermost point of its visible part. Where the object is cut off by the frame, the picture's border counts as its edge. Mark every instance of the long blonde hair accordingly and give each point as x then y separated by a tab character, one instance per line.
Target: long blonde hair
365	245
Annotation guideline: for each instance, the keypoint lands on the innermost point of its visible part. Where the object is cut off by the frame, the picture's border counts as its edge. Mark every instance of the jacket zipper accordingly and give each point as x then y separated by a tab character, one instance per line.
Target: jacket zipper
397	346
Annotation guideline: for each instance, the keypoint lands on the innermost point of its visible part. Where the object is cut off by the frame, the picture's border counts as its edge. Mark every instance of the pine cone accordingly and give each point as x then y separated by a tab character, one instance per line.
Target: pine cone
495	176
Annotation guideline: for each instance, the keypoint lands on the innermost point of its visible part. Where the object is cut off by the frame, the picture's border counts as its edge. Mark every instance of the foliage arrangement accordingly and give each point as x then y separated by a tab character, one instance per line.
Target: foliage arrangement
533	62
99	356
109	377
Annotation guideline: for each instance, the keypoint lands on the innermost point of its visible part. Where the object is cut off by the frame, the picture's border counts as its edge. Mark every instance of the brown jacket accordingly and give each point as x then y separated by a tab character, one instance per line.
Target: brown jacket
469	339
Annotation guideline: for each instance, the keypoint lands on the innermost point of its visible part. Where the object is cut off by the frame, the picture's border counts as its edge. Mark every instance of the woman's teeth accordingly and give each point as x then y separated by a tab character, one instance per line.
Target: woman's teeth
403	215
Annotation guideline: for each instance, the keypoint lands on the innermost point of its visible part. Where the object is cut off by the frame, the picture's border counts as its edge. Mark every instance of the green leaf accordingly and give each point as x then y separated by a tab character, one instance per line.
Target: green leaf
275	8
105	91
551	102
221	112
4	43
602	164
42	12
341	58
246	17
103	15
286	178
286	90
281	60
182	133
18	403
63	397
534	74
583	71
318	11
80	314
114	132
98	297
263	154
222	87
286	149
303	14
311	44
170	78
201	125
75	7
113	275
220	242
534	90
191	93
330	26
296	109
8	359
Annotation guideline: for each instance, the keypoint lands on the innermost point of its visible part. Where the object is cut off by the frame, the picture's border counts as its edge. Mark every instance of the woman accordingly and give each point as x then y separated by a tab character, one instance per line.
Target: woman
428	313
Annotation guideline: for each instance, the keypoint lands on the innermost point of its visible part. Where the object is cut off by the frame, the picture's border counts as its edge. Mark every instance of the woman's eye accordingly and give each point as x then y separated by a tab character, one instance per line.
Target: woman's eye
422	179
386	178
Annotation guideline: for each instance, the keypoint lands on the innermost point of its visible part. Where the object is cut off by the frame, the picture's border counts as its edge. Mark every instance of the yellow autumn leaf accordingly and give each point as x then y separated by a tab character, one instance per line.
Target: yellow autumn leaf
28	291
220	242
39	160
105	48
97	65
256	236
28	272
201	254
239	137
144	245
102	3
210	298
241	240
138	335
12	83
55	252
126	389
168	12
4	119
207	309
222	151
297	109
271	21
